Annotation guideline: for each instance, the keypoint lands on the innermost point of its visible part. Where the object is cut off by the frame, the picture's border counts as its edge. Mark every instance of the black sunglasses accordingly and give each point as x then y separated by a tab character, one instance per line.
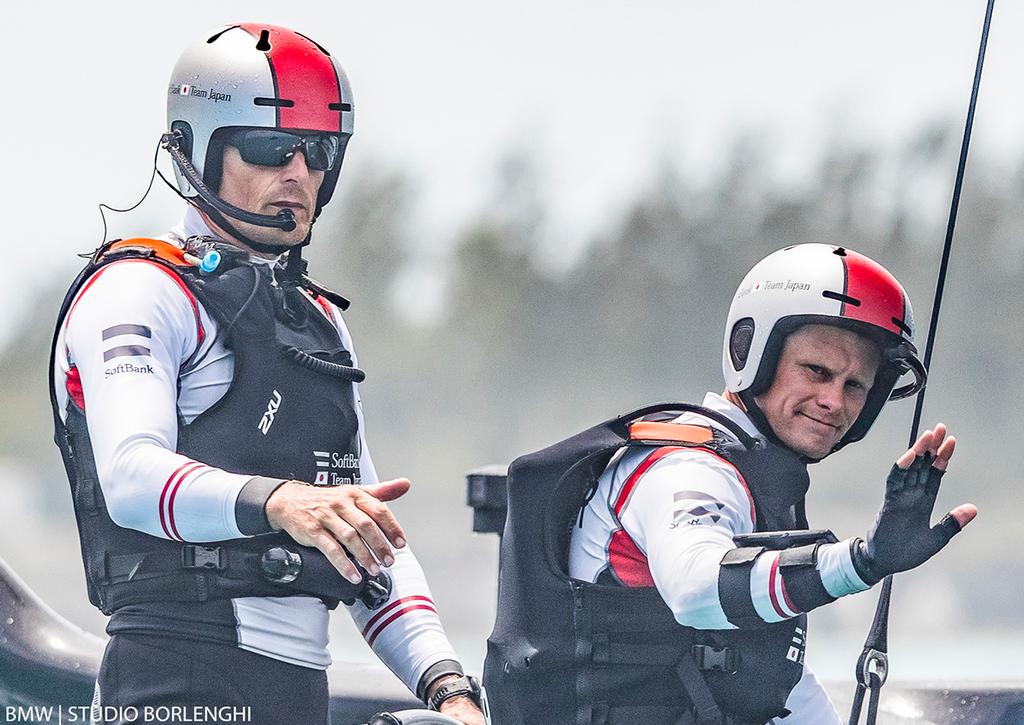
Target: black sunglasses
270	147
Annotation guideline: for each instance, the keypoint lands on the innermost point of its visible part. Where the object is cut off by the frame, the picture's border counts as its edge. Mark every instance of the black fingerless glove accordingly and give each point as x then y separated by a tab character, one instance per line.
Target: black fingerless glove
902	537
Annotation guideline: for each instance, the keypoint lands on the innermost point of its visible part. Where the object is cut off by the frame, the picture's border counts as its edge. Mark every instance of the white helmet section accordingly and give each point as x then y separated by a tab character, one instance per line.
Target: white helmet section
214	85
256	75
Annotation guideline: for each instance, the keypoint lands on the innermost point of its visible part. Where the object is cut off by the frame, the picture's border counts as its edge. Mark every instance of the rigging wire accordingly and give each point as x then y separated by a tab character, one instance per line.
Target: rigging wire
873	663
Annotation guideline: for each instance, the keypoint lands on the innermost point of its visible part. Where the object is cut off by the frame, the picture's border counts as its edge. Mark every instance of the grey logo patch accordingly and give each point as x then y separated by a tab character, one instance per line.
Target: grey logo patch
125	351
119	348
118	330
690	507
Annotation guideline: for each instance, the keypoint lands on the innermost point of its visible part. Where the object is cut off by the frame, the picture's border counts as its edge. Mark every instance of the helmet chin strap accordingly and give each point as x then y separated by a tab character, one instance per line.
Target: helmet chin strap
758	418
761	423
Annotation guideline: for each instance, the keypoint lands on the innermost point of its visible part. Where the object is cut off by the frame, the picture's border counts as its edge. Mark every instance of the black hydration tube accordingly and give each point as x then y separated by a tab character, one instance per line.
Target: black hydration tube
873	663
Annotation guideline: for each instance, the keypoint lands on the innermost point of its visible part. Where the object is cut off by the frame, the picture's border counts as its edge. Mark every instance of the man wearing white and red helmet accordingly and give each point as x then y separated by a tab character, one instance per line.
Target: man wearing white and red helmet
816	339
206	406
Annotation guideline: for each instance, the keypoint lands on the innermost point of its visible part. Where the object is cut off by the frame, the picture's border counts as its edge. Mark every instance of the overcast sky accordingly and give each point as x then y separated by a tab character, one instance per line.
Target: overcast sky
601	90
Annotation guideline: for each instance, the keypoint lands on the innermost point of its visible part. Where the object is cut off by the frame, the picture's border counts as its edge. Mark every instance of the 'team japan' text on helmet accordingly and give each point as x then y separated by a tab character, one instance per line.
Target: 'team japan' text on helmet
819	284
253	76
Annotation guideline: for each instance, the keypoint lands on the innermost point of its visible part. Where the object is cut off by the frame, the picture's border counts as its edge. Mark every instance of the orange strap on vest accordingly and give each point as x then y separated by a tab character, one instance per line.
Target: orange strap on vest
165	251
646	430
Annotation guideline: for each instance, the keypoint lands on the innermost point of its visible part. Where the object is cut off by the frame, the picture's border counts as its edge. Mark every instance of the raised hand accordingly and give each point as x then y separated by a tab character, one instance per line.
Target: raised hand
902	537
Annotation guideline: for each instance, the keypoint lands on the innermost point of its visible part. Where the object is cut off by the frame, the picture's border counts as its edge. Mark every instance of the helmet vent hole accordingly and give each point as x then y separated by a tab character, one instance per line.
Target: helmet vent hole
841	297
839	252
339	106
274	102
213	38
903	326
739	342
264	42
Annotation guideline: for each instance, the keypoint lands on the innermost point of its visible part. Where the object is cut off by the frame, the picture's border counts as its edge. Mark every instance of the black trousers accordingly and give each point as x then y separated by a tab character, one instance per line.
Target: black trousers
155	679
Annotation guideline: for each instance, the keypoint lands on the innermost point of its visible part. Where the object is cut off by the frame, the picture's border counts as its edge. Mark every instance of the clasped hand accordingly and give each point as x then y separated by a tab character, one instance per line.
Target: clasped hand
339	518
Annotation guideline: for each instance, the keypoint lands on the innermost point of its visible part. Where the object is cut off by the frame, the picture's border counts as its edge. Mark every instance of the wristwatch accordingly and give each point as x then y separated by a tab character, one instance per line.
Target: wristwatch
465	685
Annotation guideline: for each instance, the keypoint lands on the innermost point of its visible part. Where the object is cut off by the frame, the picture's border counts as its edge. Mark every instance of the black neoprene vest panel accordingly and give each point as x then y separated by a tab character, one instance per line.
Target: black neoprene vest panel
279	418
565	651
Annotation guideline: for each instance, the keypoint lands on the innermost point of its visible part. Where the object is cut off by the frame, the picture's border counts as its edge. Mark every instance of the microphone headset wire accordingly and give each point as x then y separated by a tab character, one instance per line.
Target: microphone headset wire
133	207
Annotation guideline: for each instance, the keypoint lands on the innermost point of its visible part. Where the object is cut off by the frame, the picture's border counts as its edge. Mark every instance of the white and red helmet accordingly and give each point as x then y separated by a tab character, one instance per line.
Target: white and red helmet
253	75
820	284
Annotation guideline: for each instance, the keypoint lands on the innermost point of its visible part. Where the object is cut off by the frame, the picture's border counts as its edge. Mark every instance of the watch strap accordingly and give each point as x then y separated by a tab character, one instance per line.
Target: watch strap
436	670
465	685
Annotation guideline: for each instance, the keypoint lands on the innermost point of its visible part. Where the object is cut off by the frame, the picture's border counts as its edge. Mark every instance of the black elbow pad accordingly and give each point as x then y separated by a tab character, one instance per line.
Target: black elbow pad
800	579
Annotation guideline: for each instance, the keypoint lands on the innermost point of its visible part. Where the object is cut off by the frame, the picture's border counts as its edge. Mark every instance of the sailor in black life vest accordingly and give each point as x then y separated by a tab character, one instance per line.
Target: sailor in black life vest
663	599
206	406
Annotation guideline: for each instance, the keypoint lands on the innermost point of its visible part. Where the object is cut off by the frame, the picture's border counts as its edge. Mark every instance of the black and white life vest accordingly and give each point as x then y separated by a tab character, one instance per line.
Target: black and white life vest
281	343
571	652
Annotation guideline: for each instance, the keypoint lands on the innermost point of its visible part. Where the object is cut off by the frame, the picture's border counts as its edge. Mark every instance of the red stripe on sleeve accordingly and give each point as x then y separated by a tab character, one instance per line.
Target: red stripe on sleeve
391	607
174	493
166	513
411	608
634	478
630	484
327	308
73	384
772	577
627	561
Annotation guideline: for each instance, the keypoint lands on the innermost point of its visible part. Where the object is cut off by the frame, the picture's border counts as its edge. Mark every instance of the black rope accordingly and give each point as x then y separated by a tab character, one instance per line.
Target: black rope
872	666
954	206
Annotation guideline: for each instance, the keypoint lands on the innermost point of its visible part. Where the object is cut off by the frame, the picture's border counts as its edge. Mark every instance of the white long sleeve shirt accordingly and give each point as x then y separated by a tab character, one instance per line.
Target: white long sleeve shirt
140	355
665	518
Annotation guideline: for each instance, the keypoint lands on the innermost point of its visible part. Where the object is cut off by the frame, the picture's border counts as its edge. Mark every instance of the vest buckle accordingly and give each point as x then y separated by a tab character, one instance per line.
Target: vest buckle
711	658
203	557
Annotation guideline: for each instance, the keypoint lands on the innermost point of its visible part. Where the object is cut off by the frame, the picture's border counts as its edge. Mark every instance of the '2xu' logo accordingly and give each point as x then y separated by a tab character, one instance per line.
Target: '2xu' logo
268	418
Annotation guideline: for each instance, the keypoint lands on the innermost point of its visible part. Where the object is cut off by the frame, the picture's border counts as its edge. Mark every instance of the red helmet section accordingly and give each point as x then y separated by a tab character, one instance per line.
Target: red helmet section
304	79
882	302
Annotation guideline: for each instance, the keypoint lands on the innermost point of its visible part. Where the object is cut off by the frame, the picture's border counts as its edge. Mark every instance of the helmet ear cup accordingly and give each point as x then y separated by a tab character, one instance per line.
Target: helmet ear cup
739	342
186	141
